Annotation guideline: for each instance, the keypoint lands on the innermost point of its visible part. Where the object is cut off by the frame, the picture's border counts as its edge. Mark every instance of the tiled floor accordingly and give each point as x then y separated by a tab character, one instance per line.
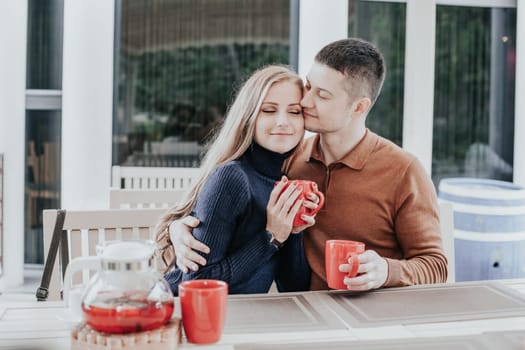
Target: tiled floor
25	292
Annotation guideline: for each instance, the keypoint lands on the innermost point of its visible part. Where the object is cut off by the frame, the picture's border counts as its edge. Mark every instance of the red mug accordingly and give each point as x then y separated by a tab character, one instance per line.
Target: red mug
308	187
203	309
338	252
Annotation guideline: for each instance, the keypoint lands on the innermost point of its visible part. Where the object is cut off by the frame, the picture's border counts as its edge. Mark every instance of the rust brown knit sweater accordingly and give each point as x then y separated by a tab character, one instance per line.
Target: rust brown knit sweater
378	194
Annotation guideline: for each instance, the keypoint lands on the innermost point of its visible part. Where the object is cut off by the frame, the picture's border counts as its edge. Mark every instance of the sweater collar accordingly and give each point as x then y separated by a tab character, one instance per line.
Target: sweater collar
266	162
355	159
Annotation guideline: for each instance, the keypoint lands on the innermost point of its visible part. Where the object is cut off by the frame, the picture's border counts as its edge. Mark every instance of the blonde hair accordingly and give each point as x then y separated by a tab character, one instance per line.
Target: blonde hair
229	143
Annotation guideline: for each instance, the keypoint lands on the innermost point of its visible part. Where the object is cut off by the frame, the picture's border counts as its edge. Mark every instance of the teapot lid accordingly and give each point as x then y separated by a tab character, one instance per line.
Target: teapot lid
126	255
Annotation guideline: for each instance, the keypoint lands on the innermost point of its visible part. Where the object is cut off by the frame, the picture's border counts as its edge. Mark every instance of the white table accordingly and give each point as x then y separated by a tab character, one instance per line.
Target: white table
33	325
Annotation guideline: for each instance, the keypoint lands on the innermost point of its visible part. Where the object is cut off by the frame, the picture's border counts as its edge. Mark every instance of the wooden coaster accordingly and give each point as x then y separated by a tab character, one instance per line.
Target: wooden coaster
166	337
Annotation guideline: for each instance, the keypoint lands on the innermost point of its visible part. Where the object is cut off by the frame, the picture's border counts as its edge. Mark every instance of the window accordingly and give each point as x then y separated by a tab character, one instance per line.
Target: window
474	93
383	24
1	214
44	44
177	67
43	119
42	176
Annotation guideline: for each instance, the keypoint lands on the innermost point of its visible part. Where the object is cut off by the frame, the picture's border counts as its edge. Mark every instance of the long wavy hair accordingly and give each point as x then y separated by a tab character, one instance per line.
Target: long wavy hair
228	143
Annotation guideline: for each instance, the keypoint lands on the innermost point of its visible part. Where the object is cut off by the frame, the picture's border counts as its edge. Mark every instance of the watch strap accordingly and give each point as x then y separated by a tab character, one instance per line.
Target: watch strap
274	241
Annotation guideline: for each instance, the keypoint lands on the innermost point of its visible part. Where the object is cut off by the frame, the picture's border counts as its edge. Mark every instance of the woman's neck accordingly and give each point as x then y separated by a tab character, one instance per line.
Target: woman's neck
266	162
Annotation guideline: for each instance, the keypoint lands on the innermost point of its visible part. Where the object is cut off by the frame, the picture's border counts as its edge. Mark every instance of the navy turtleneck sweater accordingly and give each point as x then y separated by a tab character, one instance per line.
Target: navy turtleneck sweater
232	209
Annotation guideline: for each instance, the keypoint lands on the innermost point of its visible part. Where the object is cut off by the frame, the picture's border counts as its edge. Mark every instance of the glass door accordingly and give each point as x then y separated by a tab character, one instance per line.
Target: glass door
43	119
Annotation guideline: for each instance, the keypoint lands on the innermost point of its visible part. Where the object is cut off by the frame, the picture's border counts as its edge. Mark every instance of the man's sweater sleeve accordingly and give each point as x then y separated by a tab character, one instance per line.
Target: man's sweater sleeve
220	207
418	232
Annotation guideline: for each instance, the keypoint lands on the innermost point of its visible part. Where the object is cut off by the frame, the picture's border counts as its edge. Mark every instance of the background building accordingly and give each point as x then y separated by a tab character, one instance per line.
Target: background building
89	84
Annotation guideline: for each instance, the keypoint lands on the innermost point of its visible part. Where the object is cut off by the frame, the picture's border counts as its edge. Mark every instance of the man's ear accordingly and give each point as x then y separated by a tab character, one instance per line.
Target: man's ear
362	106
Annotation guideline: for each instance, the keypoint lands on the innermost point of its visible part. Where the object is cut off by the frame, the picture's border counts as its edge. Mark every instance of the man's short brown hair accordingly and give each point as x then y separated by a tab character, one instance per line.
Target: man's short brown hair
360	61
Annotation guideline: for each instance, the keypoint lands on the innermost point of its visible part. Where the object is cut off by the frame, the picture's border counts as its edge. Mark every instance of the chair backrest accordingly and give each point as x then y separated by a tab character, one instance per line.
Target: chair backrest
446	214
177	148
153	177
130	198
85	228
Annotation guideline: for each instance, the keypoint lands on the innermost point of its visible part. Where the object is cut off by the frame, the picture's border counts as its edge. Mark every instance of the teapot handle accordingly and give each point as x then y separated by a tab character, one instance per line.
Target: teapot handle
76	264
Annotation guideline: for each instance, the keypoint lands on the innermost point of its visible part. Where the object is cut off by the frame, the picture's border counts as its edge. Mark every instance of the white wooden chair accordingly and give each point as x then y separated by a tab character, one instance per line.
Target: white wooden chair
130	198
168	147
153	177
446	214
85	228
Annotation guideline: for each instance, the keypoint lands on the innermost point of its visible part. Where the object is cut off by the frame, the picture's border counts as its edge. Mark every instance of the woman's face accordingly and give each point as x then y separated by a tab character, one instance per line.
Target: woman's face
279	126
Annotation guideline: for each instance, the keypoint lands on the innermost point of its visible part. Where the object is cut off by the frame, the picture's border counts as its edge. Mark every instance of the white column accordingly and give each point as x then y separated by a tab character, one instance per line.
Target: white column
519	116
320	22
87	103
13	36
419	80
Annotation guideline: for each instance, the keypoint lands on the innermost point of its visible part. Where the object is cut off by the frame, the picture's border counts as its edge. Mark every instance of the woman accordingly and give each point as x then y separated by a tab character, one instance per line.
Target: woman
244	218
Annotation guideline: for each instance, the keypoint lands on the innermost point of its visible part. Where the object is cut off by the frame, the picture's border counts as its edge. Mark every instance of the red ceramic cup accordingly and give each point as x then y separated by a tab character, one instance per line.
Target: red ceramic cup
203	309
308	187
338	252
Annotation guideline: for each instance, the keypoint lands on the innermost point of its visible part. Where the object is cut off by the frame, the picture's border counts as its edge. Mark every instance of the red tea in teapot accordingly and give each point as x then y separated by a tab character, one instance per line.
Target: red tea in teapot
128	313
127	294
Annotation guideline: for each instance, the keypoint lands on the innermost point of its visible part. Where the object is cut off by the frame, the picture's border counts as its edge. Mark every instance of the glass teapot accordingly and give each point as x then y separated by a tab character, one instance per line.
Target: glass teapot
127	294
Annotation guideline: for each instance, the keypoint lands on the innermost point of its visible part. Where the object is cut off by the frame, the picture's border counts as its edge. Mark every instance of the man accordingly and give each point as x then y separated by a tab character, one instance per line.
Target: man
374	191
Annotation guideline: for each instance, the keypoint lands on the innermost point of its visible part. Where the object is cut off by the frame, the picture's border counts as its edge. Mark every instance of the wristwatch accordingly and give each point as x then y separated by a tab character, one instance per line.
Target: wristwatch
274	241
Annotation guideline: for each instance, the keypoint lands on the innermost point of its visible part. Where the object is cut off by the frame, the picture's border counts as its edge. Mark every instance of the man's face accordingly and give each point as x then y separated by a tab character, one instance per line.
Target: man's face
326	104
